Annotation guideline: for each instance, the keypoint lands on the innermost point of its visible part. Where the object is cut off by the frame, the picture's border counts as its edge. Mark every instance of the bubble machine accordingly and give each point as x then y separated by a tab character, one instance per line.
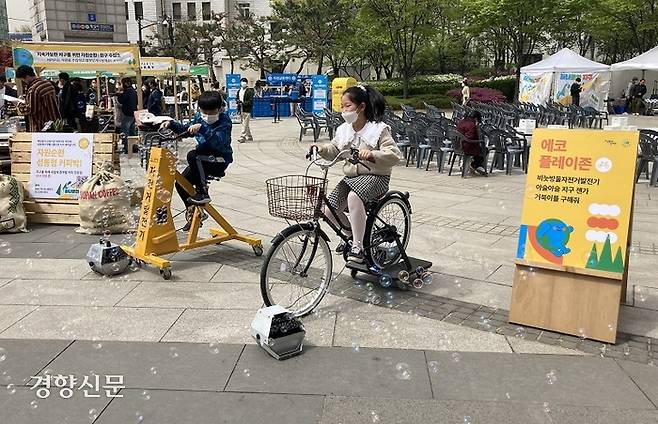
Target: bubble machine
107	258
278	332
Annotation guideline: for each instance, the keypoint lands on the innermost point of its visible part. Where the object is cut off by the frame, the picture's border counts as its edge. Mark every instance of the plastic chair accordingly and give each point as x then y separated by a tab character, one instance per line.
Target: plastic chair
306	122
438	144
417	146
648	155
505	148
458	143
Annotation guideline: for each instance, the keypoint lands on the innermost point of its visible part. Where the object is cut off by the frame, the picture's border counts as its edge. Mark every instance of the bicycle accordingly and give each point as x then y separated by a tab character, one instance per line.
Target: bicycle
298	267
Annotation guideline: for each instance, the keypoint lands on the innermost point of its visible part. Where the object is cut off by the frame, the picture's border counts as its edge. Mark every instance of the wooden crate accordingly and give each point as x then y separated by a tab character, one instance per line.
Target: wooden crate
54	211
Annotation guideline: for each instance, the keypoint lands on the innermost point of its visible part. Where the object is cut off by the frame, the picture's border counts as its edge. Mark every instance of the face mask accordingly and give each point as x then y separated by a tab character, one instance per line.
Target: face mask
60	85
211	119
243	84
350	117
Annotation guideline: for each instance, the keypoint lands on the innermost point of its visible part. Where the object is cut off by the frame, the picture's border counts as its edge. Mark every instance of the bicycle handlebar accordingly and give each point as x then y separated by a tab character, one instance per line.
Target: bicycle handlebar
354	159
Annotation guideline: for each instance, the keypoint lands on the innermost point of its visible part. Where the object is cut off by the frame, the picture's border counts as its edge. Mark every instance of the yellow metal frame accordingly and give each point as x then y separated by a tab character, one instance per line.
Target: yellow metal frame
156	234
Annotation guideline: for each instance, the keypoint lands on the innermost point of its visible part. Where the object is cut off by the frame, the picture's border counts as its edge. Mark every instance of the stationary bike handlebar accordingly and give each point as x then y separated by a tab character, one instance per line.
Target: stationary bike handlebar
168	135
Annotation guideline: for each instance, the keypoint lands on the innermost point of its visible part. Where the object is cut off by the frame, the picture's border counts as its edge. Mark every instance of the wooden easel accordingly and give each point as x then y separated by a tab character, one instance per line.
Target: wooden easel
156	234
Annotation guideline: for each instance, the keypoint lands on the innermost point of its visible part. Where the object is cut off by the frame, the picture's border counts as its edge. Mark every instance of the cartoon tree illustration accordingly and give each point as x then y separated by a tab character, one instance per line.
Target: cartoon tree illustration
593	259
619	261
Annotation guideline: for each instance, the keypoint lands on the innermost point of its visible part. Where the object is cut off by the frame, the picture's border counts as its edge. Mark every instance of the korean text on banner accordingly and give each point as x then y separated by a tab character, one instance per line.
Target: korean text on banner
595	88
232	88
63	56
578	200
320	93
60	163
535	88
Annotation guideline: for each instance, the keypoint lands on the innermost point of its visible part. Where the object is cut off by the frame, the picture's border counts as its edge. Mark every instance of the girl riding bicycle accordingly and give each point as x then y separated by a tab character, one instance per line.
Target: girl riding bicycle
363	110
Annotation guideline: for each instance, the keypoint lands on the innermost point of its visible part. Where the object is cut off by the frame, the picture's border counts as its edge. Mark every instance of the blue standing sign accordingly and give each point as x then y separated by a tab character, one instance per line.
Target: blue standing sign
232	88
319	93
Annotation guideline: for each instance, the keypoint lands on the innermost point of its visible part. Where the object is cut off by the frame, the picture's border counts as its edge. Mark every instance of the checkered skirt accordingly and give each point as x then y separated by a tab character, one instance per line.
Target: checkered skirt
368	187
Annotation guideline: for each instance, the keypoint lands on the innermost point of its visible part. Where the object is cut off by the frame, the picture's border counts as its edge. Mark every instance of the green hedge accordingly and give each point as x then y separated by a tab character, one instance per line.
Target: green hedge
442	102
507	86
414	89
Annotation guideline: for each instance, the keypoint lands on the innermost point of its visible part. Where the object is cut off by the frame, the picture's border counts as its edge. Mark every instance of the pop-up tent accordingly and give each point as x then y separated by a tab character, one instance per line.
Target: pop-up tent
643	66
98	58
551	79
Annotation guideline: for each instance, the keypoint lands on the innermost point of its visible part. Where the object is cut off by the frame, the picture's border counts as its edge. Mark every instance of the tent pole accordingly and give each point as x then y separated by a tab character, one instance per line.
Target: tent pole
176	111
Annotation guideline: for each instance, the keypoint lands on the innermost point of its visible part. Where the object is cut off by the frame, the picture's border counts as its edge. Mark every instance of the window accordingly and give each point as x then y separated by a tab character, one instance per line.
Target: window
191	11
177	11
139	10
127	13
205	10
243	9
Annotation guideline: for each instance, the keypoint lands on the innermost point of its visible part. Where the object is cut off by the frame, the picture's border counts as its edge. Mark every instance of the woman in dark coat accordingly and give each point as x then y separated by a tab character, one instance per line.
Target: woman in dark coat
468	127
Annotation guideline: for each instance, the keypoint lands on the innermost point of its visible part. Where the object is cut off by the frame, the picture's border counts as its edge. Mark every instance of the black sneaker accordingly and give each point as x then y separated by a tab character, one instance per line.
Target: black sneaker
355	255
342	246
200	199
480	170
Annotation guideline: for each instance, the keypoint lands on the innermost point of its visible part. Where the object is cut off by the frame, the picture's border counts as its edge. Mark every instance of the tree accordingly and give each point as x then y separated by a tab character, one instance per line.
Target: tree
314	28
24	28
408	24
254	35
519	23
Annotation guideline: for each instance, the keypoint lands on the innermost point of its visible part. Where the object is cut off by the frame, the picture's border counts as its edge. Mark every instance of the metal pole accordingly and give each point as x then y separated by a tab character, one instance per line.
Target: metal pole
176	110
141	40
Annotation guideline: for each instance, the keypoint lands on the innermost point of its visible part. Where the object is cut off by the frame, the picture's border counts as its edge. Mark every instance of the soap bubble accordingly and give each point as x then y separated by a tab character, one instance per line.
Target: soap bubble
3	354
551	377
456	357
93	414
146	395
418	283
163	195
154	370
427	278
375	417
403	275
433	366
582	334
385	281
520	333
547	407
173	352
214	349
97	345
34	404
467	419
11	388
246	372
402	371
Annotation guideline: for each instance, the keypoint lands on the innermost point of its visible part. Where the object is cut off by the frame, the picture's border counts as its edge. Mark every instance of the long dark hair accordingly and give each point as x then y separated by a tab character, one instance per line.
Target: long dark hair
373	99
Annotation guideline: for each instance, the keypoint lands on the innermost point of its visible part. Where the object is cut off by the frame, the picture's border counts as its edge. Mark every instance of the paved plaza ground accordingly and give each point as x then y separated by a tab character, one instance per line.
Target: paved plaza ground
444	353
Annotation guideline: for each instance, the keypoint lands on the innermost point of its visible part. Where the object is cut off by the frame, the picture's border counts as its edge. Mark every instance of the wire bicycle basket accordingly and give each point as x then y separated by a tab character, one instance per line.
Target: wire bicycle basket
295	197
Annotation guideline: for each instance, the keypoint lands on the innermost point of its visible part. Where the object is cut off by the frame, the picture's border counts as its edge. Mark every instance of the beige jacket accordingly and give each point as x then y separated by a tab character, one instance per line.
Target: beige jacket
374	136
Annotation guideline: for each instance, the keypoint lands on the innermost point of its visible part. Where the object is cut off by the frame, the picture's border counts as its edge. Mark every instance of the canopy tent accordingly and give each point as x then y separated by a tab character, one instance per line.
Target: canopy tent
96	57
551	79
643	66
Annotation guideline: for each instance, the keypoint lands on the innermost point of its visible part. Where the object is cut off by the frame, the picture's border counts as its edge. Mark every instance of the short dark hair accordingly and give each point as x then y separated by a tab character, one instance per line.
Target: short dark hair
64	76
210	100
3	78
25	71
373	99
153	83
244	80
577	79
126	81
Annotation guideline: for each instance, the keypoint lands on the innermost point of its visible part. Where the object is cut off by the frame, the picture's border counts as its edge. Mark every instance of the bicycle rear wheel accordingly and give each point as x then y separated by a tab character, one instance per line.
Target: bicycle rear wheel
297	270
380	249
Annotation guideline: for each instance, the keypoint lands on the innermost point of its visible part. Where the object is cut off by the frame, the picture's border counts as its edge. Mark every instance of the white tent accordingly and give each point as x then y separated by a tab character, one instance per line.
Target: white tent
551	78
642	66
566	60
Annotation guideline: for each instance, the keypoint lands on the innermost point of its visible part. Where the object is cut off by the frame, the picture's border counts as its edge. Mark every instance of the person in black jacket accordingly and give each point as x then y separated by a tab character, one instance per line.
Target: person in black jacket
245	106
128	100
154	103
66	100
639	90
576	88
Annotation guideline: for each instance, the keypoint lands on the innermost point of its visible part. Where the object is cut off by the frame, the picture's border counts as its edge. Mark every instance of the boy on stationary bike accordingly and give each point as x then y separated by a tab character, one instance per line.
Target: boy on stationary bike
212	130
363	110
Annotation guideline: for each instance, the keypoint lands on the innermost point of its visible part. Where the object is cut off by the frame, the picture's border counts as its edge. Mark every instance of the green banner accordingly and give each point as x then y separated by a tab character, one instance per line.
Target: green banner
199	70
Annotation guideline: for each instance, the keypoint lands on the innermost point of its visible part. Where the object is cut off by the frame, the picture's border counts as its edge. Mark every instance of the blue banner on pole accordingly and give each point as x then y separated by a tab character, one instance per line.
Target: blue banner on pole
281	79
320	93
232	88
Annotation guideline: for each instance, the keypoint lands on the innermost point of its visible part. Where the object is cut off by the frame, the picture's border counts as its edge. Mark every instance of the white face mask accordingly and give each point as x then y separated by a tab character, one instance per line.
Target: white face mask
211	119
243	84
350	117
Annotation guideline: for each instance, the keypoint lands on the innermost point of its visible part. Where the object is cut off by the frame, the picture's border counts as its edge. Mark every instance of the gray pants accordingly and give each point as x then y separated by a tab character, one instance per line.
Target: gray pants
245	117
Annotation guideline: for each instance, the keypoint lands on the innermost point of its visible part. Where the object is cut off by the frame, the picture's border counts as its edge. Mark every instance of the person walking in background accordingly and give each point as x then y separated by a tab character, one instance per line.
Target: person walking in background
155	100
66	100
128	99
245	106
466	92
639	90
40	99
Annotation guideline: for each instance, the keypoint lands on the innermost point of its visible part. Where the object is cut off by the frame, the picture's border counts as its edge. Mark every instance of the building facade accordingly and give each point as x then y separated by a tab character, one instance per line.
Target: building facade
91	21
4	22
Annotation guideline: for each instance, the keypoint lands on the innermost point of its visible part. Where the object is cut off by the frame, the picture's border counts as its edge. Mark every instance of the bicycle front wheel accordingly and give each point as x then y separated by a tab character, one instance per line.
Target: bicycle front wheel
297	270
